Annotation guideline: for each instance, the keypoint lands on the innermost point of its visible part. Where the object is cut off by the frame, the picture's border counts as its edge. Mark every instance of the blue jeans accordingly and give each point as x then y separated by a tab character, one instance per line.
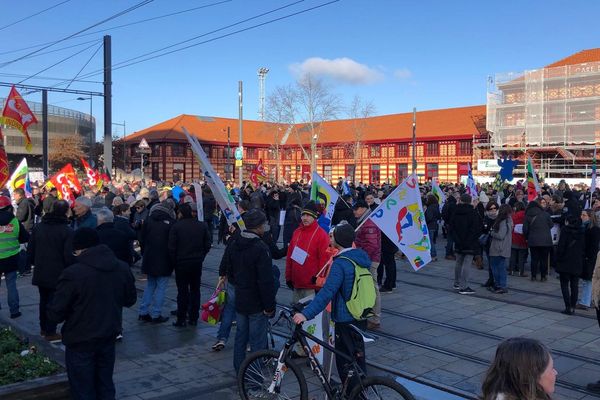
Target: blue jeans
228	315
12	294
251	329
586	293
433	238
90	371
156	287
498	266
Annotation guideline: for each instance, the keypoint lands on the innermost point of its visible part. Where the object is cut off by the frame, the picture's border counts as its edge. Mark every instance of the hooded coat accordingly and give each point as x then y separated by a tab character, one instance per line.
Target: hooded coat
465	226
537	225
155	236
89	297
250	268
49	249
313	240
343	211
571	250
338	286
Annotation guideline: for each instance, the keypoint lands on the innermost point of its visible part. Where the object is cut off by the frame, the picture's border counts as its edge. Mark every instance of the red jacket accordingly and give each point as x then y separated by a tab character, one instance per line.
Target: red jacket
518	239
313	240
368	238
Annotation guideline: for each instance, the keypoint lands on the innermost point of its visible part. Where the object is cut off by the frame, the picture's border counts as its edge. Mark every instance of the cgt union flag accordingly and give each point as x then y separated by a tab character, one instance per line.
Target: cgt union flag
258	173
400	217
93	178
63	185
18	115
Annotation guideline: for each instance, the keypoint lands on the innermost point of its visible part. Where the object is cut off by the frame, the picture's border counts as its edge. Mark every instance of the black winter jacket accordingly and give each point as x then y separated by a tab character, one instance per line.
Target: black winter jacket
89	297
155	235
341	212
49	250
465	226
250	268
291	222
537	225
189	242
571	250
432	216
25	213
115	240
592	245
11	263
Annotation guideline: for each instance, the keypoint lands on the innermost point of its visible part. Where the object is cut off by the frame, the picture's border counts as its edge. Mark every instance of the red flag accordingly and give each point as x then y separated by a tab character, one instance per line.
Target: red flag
93	178
63	185
258	173
72	177
105	175
18	115
4	172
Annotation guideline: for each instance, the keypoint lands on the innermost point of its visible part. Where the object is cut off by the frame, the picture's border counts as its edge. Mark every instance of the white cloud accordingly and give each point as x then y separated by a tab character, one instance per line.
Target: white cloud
343	69
402	73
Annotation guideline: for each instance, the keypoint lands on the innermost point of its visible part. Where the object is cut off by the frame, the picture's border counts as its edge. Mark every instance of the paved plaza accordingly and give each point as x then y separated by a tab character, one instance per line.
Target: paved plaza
429	333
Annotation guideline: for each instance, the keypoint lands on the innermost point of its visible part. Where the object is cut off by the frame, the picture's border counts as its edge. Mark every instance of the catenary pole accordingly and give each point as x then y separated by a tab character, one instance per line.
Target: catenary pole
107	104
241	142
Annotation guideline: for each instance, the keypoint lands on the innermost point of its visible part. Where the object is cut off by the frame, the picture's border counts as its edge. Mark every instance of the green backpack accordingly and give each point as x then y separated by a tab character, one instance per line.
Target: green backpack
361	301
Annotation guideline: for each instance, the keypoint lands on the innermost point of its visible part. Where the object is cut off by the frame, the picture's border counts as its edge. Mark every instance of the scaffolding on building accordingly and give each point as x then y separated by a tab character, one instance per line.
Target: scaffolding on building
551	114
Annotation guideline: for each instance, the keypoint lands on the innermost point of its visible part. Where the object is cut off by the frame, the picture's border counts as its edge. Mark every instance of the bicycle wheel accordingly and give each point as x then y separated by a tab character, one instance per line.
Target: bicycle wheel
256	374
379	387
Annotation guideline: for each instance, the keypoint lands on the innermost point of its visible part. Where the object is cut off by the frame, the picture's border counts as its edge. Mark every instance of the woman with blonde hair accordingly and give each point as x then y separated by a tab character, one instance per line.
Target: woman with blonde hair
522	369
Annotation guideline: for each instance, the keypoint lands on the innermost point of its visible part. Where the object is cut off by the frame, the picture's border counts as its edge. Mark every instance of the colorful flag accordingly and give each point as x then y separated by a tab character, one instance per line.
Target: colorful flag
71	177
222	196
105	175
322	192
258	173
437	192
401	218
63	186
471	187
346	188
20	179
533	186
93	178
18	115
3	162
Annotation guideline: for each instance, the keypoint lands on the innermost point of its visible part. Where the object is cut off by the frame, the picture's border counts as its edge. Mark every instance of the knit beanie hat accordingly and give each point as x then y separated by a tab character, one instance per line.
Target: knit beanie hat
343	234
84	201
311	209
254	218
84	238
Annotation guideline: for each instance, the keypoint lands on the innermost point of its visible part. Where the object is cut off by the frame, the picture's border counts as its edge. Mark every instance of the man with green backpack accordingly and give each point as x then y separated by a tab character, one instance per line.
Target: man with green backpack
351	290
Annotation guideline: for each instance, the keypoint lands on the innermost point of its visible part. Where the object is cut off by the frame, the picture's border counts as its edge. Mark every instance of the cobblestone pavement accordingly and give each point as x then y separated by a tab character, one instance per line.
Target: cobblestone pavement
428	332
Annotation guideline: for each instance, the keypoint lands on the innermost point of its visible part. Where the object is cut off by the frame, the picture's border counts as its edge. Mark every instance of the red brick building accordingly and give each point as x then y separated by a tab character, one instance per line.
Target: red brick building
444	147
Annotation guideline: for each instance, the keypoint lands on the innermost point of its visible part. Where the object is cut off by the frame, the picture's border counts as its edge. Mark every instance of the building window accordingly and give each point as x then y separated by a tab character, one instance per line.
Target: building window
327	153
217	153
177	150
155	171
178	172
375	150
350	169
431	170
463	169
328	172
374	173
402	172
132	150
432	149
251	152
155	150
403	150
465	148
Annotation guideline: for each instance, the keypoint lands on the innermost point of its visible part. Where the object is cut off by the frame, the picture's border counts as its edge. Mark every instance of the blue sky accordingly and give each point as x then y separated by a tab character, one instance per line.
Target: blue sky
397	54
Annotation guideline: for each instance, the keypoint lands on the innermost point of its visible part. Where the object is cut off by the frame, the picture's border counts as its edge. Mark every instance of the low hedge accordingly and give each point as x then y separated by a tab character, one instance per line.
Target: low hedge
15	367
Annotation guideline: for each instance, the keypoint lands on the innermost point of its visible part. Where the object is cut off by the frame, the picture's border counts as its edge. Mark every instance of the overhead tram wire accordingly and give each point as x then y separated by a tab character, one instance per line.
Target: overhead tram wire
61	49
57	63
46	78
119	26
127	63
33	15
85	65
130	9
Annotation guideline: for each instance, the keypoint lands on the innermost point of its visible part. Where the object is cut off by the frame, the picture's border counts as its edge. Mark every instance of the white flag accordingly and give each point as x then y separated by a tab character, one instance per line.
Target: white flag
441	196
401	218
199	207
222	196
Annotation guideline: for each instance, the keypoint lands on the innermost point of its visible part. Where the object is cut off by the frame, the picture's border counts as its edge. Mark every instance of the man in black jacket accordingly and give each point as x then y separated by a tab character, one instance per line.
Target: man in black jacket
343	211
189	242
90	295
112	237
250	270
465	228
49	250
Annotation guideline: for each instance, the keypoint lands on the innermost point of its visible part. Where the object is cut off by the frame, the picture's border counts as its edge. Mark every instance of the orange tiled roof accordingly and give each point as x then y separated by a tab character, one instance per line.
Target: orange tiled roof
432	124
584	56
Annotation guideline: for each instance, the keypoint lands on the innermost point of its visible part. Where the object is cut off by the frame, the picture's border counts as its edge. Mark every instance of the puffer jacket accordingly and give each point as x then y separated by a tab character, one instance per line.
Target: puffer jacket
501	240
314	240
338	286
155	236
368	238
518	239
537	225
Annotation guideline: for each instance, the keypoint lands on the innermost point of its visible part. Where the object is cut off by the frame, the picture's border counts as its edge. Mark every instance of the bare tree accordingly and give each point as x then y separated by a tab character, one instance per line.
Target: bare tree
66	149
358	111
301	109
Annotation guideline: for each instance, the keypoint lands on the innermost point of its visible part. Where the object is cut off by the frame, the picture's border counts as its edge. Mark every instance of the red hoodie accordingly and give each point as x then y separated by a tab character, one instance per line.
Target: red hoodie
518	239
313	240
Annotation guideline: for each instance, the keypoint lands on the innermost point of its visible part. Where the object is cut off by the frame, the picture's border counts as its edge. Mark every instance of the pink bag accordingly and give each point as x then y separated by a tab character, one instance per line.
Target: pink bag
211	310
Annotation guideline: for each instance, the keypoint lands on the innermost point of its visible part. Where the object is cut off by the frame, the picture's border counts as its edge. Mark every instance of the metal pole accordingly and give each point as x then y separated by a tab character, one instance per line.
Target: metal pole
142	165
45	132
124	148
227	176
93	129
241	141
414	141
107	104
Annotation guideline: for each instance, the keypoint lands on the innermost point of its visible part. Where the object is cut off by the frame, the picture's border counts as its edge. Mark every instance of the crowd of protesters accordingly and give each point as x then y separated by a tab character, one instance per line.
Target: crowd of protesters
150	225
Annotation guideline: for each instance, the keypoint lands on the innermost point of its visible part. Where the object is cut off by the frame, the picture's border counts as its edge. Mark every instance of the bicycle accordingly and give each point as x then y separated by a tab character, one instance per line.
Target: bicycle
266	374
